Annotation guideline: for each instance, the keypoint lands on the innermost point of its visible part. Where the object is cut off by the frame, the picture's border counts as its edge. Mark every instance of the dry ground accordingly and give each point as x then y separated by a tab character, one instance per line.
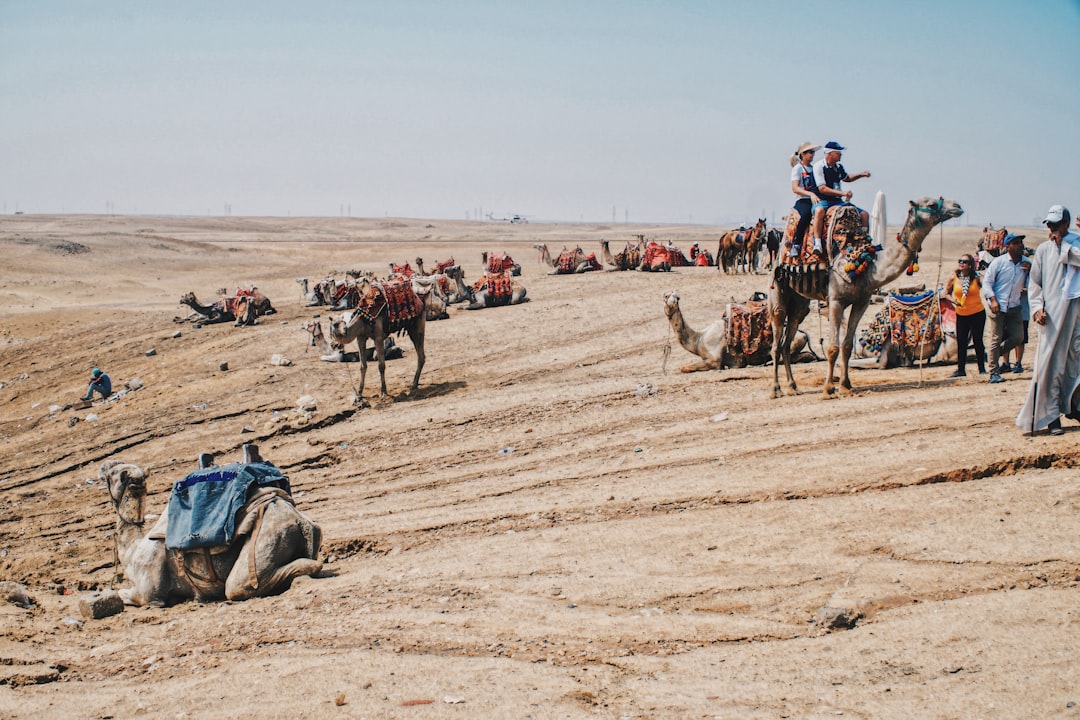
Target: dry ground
626	555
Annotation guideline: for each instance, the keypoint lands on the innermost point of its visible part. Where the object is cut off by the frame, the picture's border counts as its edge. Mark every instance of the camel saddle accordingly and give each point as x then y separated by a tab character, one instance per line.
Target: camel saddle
749	329
568	260
440	267
499	286
909	321
843	232
993	240
499	263
396	295
655	255
914	319
404	270
203	506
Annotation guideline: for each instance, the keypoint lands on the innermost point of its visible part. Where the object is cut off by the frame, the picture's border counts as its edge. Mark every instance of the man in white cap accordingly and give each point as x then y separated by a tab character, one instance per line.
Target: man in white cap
1055	308
829	174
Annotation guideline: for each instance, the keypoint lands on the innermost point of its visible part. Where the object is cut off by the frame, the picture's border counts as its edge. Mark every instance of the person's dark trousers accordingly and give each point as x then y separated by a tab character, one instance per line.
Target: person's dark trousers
970	328
804	207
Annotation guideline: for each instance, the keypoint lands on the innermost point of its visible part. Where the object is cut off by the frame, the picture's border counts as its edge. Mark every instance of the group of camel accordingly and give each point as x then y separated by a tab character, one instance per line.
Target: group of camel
274	543
847	295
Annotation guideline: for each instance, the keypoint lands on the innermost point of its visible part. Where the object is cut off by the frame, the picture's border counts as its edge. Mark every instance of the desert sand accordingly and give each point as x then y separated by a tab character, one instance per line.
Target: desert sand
558	524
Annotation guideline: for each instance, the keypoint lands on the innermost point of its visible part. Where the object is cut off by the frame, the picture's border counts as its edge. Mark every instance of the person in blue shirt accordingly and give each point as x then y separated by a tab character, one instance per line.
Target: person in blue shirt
100	383
1003	286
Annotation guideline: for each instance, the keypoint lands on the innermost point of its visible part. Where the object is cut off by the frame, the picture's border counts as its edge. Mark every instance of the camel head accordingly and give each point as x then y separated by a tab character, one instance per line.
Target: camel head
126	483
187	298
671	303
924	214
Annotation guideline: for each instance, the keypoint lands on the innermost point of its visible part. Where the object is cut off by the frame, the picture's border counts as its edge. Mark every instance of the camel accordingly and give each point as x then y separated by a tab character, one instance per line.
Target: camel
710	344
219	312
846	290
739	248
251	304
570	261
629	258
459	291
496	290
373	319
273	543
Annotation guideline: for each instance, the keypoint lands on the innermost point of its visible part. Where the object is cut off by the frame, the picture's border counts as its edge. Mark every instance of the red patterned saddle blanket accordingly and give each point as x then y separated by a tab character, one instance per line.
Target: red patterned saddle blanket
397	296
568	260
914	319
993	240
499	263
441	266
749	329
498	285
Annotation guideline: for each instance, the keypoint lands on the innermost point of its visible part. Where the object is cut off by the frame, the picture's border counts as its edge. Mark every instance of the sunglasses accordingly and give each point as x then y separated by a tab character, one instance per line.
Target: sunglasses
962	261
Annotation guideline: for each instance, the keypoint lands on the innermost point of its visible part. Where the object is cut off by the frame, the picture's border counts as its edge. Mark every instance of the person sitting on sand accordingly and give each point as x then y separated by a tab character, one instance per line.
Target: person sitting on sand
99	382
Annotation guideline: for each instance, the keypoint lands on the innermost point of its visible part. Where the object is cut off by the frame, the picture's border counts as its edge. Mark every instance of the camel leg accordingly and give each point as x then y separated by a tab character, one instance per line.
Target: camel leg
854	315
832	349
416	334
380	356
779	324
361	342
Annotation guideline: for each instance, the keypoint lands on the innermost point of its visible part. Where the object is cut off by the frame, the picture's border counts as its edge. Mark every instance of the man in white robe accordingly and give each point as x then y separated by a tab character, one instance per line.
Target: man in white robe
1055	308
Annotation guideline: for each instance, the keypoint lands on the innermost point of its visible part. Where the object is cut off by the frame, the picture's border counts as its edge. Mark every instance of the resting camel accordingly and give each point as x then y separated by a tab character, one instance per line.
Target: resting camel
496	290
221	311
371	319
710	344
629	258
273	544
430	289
794	286
738	247
251	304
570	261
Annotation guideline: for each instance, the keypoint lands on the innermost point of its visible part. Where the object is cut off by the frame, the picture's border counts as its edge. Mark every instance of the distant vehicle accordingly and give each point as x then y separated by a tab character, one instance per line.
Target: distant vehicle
18	212
514	219
519	219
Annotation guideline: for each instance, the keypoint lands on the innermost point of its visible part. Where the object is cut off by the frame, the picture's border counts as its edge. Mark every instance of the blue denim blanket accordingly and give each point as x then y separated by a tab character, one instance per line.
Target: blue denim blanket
203	506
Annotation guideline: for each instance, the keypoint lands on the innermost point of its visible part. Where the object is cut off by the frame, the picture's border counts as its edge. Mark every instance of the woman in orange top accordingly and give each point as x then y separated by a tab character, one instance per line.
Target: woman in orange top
966	292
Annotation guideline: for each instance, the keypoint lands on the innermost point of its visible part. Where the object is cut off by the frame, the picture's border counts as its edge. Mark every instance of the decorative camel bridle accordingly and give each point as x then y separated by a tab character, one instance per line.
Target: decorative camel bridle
122	521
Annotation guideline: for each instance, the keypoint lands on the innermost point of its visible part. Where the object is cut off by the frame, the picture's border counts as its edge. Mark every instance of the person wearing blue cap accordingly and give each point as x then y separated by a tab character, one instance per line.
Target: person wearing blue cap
1003	286
829	175
1055	308
100	383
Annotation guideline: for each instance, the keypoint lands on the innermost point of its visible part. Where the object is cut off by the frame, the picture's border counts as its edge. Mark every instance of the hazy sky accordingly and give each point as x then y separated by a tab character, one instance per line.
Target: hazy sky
666	112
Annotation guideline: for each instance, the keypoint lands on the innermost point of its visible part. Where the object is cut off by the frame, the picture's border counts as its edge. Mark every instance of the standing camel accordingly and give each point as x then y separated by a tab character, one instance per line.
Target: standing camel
385	308
794	286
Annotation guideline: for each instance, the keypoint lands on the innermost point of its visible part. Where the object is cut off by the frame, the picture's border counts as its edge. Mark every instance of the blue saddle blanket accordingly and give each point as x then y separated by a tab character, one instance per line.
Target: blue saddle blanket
203	506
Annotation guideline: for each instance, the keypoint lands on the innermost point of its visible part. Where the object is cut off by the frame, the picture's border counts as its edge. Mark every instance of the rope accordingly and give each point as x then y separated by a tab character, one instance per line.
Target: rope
937	299
667	350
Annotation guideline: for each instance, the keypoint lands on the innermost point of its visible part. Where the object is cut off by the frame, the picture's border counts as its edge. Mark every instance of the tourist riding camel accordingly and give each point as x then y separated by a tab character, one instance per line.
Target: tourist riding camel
848	284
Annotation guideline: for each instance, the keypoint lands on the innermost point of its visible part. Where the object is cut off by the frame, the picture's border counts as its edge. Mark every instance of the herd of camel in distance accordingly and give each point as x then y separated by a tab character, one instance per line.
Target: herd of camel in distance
274	543
402	303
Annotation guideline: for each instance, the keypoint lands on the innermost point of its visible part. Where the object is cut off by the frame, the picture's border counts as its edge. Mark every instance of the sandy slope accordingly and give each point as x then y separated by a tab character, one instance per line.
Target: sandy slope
625	555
